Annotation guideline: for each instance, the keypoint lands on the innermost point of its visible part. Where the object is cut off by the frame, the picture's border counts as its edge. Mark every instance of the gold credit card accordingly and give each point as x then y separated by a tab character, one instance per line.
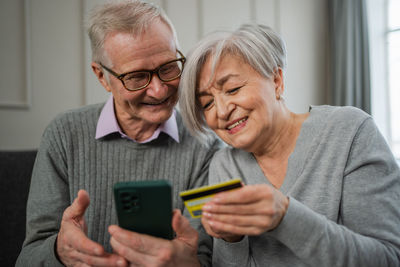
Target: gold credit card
194	199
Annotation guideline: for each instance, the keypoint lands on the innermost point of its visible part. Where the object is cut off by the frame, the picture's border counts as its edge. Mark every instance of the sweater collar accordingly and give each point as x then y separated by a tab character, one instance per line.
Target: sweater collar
108	124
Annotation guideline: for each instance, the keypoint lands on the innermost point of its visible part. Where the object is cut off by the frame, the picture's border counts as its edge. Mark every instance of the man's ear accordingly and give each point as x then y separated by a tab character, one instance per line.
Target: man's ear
279	83
98	71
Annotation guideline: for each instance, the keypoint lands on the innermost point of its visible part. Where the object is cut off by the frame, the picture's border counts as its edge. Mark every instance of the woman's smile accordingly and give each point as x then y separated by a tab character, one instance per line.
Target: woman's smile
237	125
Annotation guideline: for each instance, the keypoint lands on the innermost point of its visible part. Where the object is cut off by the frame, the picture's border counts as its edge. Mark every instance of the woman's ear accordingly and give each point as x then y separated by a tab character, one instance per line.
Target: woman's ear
279	83
98	71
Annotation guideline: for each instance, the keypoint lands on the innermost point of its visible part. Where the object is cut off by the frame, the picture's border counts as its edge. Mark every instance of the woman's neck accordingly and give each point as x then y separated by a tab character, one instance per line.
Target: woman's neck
273	157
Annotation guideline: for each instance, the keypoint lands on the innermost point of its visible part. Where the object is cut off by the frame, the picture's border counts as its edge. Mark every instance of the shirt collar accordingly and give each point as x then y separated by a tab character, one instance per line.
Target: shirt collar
107	124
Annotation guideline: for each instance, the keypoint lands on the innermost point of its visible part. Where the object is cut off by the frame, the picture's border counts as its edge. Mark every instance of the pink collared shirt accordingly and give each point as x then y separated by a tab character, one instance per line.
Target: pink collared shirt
108	124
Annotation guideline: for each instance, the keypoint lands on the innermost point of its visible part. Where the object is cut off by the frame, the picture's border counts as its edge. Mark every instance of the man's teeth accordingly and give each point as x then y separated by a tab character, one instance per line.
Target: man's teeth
236	123
157	103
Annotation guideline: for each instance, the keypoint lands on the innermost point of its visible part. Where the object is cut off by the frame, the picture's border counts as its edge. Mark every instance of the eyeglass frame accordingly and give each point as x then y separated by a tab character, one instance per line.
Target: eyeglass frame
121	76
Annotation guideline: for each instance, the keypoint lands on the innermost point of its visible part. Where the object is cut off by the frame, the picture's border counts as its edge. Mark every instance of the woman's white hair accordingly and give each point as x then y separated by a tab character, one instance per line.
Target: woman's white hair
257	45
130	16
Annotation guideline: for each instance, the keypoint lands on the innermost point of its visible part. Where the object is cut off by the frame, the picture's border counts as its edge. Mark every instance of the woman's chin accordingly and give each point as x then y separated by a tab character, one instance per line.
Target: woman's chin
240	144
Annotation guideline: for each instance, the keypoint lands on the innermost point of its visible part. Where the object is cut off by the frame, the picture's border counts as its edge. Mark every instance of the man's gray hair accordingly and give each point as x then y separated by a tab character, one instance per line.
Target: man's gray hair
257	45
132	16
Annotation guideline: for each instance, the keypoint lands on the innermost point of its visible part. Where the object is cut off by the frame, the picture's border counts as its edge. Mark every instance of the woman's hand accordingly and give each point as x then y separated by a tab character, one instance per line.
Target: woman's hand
228	237
250	210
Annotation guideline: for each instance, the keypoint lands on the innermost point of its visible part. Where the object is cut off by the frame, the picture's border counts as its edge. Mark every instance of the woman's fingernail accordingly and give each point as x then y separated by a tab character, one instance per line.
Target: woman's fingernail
206	207
216	199
207	214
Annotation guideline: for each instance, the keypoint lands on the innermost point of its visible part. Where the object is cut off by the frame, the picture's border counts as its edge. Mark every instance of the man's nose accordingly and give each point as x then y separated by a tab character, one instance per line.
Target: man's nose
156	88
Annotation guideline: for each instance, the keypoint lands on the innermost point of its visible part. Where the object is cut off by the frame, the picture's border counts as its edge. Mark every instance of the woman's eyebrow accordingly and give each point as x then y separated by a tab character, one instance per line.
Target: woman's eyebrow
224	79
220	82
202	93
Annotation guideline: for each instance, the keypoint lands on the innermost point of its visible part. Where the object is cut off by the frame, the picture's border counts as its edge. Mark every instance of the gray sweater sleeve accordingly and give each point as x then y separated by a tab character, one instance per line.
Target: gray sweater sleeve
371	183
232	254
205	244
48	198
225	253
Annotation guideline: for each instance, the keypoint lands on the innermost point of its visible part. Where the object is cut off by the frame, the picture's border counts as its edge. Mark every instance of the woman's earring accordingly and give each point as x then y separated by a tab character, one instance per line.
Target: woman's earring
278	97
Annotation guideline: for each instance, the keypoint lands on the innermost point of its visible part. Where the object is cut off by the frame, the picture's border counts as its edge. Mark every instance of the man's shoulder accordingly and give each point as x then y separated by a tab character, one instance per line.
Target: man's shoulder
79	113
70	119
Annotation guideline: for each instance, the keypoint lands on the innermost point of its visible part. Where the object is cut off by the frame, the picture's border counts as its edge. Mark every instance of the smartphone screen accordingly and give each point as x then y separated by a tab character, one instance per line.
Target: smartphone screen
145	207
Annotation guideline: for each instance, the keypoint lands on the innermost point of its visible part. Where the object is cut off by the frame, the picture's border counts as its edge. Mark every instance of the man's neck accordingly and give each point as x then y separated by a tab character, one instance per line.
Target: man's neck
137	130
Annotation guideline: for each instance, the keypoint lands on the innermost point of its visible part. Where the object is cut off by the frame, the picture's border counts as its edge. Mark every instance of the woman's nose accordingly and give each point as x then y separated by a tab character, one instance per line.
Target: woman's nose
224	107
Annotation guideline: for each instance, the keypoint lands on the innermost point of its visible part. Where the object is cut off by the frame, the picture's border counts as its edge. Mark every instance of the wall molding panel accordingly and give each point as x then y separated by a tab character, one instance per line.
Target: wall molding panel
15	77
45	54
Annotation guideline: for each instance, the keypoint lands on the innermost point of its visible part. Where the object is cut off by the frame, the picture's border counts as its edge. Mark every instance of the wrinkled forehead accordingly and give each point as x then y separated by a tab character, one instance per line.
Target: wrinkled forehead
209	72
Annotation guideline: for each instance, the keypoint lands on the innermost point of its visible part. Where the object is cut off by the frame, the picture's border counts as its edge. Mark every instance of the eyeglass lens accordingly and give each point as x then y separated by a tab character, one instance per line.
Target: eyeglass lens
167	72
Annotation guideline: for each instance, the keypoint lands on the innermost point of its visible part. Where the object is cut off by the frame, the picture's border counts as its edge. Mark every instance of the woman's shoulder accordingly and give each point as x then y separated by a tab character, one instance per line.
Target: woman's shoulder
335	125
230	163
230	156
228	151
339	115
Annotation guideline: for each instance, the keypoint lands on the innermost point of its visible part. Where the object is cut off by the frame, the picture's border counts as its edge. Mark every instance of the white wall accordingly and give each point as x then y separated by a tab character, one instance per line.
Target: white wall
47	44
55	63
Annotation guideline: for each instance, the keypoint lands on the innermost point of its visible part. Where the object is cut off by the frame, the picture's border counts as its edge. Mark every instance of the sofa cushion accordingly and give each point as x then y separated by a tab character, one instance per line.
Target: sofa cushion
15	175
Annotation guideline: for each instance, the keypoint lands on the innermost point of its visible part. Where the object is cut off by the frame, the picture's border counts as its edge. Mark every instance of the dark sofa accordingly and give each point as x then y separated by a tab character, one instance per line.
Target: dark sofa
15	175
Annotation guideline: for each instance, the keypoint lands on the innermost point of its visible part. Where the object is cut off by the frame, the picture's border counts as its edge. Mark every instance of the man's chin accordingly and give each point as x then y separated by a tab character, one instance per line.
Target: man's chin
158	117
165	106
158	113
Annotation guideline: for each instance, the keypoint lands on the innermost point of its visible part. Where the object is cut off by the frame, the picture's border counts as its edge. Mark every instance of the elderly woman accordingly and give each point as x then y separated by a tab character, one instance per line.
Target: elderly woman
320	188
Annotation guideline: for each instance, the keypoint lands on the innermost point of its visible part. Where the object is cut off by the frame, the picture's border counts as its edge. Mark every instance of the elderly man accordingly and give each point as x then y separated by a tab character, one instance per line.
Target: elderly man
136	135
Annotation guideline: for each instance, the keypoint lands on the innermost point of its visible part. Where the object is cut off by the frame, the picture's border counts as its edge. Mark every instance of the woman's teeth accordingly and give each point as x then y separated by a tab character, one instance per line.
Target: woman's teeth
236	124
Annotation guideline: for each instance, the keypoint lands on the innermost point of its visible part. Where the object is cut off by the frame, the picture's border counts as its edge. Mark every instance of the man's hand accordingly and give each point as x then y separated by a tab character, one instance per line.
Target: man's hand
144	250
74	248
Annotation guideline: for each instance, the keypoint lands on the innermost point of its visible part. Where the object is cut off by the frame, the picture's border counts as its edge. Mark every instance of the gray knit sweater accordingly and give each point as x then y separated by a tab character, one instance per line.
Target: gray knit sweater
70	158
344	190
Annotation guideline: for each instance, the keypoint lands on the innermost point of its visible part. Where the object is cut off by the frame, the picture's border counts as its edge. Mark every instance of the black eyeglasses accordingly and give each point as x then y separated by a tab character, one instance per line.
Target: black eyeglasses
137	80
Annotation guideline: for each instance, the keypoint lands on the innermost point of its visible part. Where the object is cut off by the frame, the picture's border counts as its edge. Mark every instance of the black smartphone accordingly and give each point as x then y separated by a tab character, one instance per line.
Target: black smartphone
145	207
